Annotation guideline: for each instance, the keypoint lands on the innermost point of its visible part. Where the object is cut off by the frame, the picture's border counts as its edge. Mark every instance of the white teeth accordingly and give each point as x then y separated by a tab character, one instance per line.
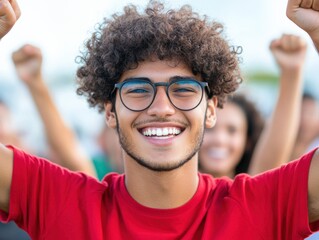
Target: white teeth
161	131
165	131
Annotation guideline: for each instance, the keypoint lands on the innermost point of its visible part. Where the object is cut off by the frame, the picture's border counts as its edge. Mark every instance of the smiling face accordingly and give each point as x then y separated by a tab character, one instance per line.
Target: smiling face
224	145
160	138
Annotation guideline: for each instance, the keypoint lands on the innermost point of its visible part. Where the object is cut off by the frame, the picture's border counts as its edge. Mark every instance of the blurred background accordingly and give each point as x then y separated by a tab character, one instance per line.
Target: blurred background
60	28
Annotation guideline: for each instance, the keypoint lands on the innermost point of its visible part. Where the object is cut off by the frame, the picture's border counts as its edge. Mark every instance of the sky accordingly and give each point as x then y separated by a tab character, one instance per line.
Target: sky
60	28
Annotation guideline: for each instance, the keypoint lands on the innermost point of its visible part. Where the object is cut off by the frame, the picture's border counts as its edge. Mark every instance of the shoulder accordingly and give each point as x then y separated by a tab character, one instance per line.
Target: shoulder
113	179
209	184
290	177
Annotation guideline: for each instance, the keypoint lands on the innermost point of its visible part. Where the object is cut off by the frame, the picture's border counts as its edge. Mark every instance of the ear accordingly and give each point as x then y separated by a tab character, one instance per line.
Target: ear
211	112
110	115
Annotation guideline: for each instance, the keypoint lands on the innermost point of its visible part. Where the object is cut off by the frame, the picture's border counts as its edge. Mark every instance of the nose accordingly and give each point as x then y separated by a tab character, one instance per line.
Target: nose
161	106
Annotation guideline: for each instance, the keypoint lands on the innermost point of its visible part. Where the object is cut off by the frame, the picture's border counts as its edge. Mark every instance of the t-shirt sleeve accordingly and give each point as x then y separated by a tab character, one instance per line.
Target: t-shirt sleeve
276	202
40	190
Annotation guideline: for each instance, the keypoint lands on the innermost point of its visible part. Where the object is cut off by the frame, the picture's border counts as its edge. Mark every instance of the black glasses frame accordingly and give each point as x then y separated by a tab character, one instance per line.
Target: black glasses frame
204	86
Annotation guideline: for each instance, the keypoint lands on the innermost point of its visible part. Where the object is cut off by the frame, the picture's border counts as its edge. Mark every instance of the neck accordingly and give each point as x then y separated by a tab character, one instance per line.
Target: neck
230	174
162	190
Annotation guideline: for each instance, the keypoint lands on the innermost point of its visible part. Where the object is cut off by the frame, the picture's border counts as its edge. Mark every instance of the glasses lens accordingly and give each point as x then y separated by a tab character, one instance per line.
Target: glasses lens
185	94
137	95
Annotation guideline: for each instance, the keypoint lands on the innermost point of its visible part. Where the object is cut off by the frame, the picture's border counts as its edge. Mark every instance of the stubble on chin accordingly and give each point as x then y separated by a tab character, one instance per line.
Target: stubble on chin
128	146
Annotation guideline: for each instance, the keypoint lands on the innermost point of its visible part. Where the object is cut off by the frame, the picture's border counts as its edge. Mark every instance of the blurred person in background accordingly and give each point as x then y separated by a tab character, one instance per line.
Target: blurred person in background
109	159
64	147
196	201
228	147
11	136
308	133
8	132
238	143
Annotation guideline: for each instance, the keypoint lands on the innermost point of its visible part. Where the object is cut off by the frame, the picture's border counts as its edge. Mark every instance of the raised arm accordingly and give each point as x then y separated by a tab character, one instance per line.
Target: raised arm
305	13
61	138
280	132
9	14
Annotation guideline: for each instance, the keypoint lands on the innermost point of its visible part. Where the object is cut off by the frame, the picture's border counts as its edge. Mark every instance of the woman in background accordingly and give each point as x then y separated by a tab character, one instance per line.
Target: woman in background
238	143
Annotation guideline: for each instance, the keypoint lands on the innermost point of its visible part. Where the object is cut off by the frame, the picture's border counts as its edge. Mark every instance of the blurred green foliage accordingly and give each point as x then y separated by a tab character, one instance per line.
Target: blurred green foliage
261	76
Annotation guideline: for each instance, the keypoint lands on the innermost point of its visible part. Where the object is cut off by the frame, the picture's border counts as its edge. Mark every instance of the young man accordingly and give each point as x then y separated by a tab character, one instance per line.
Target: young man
159	76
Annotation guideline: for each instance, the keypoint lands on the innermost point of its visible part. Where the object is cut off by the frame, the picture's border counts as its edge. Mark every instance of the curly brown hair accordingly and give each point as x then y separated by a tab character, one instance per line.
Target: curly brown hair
123	41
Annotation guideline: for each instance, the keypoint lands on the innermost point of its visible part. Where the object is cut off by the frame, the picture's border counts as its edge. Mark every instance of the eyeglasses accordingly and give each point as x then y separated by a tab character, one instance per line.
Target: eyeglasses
138	94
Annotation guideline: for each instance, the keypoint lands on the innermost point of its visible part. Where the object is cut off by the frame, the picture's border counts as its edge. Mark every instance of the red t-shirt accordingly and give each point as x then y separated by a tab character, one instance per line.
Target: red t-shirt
50	202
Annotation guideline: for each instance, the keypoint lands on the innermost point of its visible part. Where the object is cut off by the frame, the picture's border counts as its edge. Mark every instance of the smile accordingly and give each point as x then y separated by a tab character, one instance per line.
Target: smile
161	132
217	153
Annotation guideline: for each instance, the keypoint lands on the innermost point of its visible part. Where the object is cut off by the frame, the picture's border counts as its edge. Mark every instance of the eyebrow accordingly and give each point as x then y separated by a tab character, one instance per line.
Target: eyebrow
177	77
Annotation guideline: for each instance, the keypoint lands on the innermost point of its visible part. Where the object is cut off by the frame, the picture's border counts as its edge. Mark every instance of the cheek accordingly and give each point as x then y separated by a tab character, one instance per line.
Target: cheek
124	116
207	137
239	141
211	138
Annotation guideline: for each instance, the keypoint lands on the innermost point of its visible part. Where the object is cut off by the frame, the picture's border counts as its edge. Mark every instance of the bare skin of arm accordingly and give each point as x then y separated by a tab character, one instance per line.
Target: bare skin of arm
305	14
280	132
9	14
61	138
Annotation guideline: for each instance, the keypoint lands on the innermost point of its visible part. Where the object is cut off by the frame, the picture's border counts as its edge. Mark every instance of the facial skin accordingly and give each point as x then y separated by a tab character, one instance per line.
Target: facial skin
224	145
161	153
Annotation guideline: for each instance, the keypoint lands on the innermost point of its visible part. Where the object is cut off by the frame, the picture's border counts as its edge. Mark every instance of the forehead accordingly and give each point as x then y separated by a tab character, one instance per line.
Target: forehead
159	70
231	114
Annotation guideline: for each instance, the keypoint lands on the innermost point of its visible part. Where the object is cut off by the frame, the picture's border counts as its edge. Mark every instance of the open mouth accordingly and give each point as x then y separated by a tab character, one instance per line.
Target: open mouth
161	132
217	153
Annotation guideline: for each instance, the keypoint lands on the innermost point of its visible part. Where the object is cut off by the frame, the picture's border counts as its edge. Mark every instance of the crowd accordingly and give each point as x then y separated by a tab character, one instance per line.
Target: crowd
160	138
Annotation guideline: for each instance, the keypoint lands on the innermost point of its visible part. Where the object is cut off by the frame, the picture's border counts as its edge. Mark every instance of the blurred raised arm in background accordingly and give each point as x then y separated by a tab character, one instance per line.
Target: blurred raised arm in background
9	14
61	138
305	14
280	132
308	134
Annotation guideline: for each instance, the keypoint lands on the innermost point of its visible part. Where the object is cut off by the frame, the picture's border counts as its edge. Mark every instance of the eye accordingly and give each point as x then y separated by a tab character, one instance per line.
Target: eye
185	88
137	90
